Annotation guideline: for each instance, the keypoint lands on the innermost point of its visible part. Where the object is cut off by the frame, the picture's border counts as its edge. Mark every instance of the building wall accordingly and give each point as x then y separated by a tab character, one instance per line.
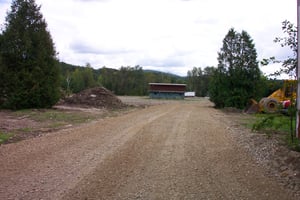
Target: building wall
167	87
166	95
166	91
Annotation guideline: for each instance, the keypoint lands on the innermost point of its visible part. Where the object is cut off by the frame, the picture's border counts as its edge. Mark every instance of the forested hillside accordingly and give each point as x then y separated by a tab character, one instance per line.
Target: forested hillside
124	81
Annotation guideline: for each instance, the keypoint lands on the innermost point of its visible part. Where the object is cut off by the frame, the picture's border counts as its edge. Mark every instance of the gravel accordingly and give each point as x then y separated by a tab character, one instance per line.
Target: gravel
278	160
178	150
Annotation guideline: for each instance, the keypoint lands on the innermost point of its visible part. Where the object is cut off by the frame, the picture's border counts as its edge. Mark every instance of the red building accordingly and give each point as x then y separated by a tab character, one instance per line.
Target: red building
166	90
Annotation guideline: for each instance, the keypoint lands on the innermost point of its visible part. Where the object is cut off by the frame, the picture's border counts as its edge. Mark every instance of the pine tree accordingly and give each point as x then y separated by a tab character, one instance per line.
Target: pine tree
238	76
31	73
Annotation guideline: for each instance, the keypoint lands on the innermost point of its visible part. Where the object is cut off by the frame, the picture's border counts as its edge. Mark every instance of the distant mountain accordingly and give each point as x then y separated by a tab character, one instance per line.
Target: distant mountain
71	68
160	72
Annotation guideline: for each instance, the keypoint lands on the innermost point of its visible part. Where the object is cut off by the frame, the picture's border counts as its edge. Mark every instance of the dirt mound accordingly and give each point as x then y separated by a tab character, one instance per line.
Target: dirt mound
98	97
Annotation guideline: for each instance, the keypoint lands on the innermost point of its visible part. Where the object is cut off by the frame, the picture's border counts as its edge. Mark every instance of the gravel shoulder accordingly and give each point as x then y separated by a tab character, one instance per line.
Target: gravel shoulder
175	150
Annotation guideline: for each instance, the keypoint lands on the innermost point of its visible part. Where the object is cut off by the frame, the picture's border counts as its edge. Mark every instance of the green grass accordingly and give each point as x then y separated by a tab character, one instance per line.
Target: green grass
62	117
58	116
273	123
55	125
4	137
279	124
292	142
53	119
38	121
25	130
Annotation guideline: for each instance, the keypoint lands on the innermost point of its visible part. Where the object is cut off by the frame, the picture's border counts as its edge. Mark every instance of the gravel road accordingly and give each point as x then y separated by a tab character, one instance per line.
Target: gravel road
179	150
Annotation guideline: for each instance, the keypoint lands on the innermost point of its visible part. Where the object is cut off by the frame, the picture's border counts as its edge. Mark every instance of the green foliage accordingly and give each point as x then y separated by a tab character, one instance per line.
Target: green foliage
29	71
218	88
125	81
278	123
198	80
56	117
4	137
237	78
134	80
271	123
289	65
2	78
82	79
292	143
129	81
270	85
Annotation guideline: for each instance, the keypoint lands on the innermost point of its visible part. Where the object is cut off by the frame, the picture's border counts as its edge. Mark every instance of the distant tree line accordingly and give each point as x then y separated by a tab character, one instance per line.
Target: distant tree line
198	80
124	81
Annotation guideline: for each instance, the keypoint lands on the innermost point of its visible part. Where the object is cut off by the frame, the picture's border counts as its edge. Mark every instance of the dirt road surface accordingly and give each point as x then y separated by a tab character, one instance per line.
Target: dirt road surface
179	150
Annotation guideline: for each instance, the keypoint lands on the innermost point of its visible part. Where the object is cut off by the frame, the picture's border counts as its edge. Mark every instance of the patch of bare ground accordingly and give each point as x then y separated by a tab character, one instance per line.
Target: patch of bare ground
26	124
86	106
271	152
143	101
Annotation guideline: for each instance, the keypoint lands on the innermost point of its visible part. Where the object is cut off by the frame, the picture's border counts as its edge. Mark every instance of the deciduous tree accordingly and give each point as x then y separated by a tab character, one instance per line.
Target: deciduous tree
289	64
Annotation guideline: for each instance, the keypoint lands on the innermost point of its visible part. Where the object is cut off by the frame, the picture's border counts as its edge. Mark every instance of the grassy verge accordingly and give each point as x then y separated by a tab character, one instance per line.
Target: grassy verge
29	123
4	137
32	122
278	124
56	117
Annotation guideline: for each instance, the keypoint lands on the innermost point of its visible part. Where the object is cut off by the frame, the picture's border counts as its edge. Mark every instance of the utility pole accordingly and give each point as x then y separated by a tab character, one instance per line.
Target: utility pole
298	71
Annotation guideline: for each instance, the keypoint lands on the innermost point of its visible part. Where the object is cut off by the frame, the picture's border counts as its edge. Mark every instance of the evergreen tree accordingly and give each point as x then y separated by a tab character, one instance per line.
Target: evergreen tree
31	73
2	80
238	76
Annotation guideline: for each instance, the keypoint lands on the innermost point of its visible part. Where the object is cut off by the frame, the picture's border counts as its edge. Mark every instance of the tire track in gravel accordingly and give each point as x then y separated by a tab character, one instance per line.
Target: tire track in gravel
128	173
47	167
179	150
186	154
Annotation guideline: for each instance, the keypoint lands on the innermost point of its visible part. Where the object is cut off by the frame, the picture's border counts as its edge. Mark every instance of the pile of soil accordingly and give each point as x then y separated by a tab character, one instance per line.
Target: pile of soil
98	97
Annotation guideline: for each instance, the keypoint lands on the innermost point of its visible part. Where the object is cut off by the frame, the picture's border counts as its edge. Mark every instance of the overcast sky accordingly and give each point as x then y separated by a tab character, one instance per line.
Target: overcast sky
166	35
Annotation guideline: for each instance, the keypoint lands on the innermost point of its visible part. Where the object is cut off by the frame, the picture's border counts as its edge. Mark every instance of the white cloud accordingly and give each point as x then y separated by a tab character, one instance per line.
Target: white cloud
169	35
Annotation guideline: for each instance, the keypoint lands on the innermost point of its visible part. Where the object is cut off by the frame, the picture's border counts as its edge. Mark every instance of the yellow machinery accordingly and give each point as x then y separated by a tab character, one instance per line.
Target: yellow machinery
281	98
